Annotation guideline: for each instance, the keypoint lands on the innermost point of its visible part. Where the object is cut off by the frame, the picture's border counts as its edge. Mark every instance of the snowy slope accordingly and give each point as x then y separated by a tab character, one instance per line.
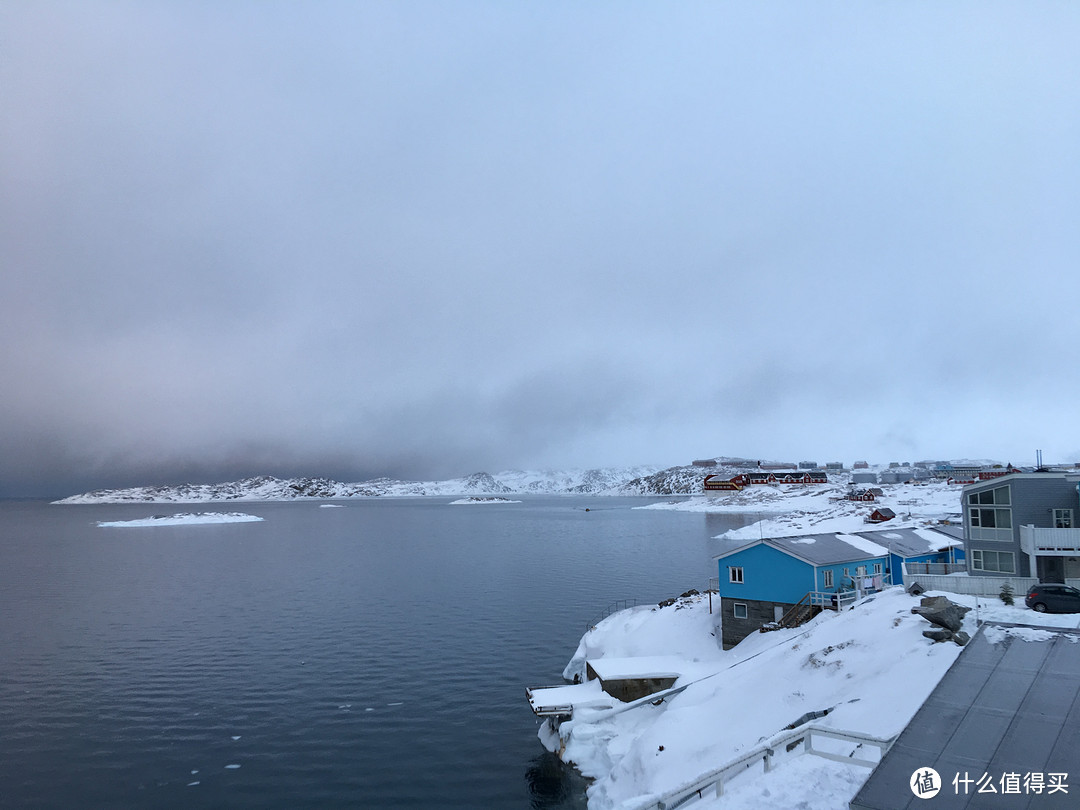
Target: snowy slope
870	666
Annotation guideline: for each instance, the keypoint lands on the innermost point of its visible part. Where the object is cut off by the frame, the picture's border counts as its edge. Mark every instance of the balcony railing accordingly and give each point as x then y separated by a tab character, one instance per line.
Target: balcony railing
1050	542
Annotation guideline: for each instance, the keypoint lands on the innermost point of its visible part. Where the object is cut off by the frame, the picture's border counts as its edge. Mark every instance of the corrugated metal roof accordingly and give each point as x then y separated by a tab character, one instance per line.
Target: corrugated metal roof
1010	704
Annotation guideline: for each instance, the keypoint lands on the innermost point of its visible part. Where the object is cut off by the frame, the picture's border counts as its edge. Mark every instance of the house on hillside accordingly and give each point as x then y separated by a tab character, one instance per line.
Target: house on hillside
714	483
922	550
866	495
881	514
864	477
1023	524
762	581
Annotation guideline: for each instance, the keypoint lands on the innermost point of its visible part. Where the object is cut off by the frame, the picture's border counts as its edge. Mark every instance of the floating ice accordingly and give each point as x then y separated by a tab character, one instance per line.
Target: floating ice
237	737
192	784
182	519
232	767
478	499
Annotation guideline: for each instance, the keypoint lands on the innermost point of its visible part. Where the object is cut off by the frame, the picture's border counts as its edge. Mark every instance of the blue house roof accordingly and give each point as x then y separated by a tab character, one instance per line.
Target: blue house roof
820	549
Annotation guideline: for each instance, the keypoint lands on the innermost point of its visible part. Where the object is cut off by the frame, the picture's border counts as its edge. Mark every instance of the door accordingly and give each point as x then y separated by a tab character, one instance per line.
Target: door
777	612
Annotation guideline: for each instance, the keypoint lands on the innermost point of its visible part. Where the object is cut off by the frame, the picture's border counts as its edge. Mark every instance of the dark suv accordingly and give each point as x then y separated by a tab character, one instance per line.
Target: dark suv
1048	597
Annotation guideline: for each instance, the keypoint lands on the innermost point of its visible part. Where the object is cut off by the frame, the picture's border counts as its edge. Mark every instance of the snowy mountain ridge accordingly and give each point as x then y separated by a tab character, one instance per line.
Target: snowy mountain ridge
268	488
686	479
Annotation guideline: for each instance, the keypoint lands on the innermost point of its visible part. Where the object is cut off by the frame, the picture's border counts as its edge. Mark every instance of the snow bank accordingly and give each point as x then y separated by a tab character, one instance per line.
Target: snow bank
870	667
183	519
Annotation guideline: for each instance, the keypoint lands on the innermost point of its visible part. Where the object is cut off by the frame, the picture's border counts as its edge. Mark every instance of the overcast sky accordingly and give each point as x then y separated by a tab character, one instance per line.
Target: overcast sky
427	239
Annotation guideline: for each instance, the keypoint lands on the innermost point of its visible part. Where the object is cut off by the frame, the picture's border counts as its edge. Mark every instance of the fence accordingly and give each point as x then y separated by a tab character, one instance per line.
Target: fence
975	585
614	607
782	744
935	568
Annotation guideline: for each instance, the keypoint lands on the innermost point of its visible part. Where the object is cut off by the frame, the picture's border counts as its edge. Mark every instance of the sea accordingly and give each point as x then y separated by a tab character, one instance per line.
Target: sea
371	655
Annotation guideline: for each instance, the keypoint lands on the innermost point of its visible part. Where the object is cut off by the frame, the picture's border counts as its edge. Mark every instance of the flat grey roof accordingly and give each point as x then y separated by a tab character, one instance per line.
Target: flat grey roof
910	542
1010	703
820	549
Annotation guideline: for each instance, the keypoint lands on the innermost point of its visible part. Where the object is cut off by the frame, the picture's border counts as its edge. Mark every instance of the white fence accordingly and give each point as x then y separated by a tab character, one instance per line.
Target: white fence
805	740
976	586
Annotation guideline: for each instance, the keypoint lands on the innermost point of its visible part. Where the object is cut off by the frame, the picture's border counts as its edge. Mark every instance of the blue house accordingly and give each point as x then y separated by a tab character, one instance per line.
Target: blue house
935	550
763	580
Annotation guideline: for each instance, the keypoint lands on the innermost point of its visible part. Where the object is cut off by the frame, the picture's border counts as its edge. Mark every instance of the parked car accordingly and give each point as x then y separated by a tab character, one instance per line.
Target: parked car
1047	597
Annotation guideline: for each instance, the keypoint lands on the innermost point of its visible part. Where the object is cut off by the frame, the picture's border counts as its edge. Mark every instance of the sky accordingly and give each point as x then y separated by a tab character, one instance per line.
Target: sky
424	239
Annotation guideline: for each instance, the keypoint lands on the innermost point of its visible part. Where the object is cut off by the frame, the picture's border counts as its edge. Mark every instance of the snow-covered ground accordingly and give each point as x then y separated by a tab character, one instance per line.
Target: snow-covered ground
870	666
182	519
788	509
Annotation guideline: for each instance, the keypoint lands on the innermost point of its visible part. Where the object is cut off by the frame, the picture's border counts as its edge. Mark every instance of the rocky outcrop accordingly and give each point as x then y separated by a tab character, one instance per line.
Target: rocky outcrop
947	616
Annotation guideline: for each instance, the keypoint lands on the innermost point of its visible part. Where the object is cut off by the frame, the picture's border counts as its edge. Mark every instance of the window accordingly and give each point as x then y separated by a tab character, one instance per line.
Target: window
877	568
860	571
1063	519
827	578
738	610
846	573
999	561
735	574
989	515
998	496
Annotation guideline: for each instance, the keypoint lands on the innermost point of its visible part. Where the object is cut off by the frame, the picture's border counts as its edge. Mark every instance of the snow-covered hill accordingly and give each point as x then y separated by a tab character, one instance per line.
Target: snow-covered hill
268	488
870	667
639	480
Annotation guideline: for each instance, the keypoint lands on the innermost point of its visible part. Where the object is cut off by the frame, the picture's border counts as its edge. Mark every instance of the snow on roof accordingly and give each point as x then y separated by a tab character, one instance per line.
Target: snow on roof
824	549
864	544
650	666
911	542
546	699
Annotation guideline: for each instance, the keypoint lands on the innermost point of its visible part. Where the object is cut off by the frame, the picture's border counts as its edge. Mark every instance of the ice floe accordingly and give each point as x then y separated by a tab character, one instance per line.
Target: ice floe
182	519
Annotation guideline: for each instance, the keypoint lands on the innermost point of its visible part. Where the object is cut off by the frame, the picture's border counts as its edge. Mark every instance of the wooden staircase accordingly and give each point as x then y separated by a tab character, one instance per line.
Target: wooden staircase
800	613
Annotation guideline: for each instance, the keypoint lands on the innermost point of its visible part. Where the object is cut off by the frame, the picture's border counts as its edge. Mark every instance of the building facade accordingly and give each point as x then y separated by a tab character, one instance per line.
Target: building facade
1023	524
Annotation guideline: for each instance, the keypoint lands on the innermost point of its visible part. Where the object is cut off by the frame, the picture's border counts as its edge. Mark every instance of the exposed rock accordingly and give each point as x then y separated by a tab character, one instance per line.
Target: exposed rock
940	611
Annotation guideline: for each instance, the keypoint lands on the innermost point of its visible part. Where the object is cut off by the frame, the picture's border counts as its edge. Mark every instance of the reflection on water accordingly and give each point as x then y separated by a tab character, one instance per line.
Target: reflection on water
554	785
368	656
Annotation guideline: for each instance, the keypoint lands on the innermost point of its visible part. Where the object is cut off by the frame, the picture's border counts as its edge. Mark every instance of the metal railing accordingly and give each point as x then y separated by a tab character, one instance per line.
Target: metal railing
614	607
1052	542
782	744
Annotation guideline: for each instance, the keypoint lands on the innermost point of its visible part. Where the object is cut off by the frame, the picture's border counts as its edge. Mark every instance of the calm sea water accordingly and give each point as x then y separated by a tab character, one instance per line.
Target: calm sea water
368	656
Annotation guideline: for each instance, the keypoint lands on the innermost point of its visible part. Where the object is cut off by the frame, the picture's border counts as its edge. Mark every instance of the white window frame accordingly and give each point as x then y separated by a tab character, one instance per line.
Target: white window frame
735	610
877	569
827	578
979	560
860	571
735	574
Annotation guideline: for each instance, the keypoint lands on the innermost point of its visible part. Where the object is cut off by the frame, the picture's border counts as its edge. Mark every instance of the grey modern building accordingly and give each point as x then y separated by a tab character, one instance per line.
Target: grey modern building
1023	524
